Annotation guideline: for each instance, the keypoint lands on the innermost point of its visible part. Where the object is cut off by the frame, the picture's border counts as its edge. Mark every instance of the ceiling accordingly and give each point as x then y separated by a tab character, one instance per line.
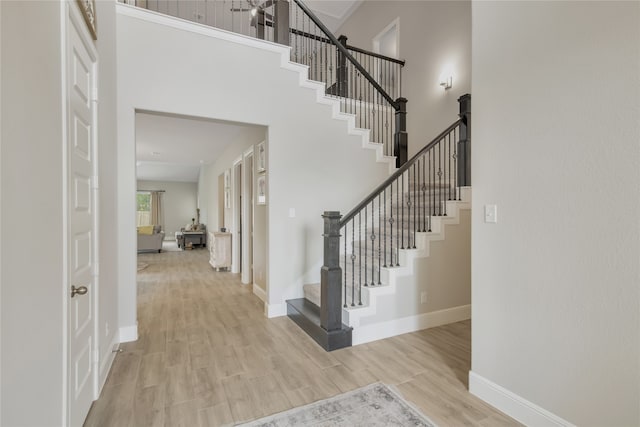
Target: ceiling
173	148
333	13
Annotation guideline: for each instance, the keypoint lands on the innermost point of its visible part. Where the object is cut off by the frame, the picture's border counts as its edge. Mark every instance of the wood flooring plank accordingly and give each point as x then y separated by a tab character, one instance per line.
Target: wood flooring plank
182	415
217	415
148	407
347	380
208	356
241	402
179	384
209	390
268	394
125	368
152	370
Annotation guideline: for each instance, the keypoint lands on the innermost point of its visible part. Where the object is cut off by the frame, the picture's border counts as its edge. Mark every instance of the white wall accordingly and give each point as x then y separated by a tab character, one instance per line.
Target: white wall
180	200
434	35
108	202
555	283
445	275
32	348
202	197
32	232
180	71
247	138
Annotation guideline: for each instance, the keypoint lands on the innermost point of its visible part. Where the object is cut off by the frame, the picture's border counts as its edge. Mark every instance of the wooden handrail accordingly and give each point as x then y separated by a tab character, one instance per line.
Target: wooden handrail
346	54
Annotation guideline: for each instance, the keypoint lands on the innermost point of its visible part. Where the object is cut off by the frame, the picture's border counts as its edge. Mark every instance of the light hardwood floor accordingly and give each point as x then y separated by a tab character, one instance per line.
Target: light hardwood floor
208	356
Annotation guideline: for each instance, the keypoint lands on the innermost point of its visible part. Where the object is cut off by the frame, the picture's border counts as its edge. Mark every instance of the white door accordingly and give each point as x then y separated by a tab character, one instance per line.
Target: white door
81	155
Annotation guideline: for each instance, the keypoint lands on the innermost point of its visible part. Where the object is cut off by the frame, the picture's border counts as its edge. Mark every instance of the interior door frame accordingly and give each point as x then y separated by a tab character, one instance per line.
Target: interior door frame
73	21
236	180
247	214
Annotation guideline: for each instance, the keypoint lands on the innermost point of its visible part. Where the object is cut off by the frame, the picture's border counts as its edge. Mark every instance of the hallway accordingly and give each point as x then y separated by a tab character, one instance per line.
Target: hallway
208	356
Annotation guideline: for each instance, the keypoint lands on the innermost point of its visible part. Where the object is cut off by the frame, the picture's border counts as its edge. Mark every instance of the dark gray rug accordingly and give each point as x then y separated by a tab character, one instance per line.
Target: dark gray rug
372	406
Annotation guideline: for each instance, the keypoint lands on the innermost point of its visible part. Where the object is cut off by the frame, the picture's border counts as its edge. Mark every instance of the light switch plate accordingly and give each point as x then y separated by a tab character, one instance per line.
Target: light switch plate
491	214
292	212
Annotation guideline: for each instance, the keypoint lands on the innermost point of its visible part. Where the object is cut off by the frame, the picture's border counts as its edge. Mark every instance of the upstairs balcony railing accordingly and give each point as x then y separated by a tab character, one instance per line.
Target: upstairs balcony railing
367	84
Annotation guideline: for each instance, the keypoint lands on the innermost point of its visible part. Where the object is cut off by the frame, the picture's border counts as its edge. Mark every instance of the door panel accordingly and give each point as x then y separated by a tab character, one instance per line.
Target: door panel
81	76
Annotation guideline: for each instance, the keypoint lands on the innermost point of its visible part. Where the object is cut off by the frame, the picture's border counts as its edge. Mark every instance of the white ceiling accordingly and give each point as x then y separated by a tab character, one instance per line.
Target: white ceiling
172	148
333	13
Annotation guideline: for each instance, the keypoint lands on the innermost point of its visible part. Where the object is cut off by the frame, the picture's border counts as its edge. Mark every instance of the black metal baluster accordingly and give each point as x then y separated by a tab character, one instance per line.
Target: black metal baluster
440	195
455	149
449	176
362	81
360	257
415	222
385	228
353	262
433	181
366	283
401	181
398	222
373	242
344	236
391	227
379	239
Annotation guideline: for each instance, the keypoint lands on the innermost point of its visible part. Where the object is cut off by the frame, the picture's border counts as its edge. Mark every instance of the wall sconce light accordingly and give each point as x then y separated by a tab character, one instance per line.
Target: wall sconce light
446	82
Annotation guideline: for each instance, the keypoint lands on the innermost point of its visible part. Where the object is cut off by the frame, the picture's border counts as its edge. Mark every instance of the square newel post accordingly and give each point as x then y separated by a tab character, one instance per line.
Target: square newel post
401	138
341	70
464	143
281	22
331	274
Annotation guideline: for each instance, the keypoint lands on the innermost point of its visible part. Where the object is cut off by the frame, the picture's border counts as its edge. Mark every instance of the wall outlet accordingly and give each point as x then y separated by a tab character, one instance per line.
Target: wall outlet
423	297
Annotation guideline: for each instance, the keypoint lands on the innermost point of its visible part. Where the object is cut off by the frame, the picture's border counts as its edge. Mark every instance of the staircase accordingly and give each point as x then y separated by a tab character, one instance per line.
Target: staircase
383	238
393	226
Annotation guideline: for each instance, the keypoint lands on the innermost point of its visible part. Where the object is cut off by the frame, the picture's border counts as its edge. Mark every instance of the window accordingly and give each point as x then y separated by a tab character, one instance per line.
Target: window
143	208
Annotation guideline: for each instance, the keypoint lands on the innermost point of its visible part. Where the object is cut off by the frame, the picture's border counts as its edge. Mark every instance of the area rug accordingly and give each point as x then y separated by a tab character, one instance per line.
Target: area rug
375	405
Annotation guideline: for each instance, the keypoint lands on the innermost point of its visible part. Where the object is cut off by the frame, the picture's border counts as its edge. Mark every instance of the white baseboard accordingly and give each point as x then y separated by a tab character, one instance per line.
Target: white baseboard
107	362
275	310
513	405
390	328
129	333
259	292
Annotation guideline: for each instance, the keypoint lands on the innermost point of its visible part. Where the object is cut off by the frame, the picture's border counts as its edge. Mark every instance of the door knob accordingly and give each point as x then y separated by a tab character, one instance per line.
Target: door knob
81	290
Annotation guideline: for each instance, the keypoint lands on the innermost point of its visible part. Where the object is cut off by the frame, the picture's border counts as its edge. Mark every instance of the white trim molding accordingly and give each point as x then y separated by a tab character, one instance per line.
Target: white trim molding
128	333
513	405
106	363
275	310
390	328
260	293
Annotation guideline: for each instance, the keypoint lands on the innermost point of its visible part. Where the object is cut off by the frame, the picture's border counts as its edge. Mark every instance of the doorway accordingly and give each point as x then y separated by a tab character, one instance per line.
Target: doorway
247	215
387	43
82	221
237	217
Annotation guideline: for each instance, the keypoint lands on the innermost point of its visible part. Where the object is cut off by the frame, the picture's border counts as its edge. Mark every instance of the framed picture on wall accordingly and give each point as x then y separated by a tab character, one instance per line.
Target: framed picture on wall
262	189
227	179
88	9
262	157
